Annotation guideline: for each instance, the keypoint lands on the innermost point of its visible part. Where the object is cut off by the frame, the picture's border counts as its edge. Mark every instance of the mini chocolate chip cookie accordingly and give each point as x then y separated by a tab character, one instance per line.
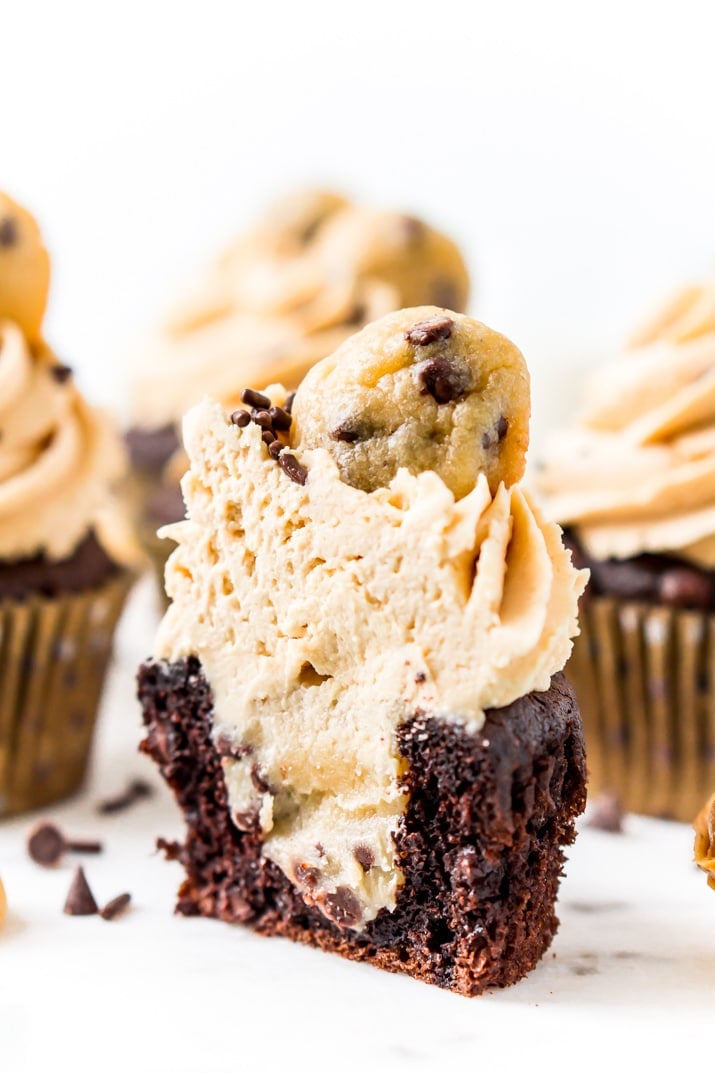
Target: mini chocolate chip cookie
422	388
24	268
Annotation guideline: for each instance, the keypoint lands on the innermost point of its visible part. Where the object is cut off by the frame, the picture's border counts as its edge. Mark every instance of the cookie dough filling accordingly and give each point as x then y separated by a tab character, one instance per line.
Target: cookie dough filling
325	614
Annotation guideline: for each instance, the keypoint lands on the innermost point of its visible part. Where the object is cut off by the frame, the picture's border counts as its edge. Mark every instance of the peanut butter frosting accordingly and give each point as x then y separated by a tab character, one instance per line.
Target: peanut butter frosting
637	472
58	456
325	615
286	295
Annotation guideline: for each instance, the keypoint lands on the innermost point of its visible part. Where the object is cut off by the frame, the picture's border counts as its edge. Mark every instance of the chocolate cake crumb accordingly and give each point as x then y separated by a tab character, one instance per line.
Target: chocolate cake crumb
480	845
292	467
430	331
255	399
242	418
444	380
80	900
116	906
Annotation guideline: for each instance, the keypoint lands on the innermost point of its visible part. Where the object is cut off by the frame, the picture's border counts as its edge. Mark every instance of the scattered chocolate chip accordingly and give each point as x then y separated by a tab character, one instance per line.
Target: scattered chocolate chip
9	233
262	418
502	428
275	448
430	331
343	907
444	380
80	900
292	467
259	781
420	677
248	821
255	399
268	438
280	418
682	587
607	813
116	906
364	856
46	844
242	418
306	874
288	404
351	430
60	373
135	791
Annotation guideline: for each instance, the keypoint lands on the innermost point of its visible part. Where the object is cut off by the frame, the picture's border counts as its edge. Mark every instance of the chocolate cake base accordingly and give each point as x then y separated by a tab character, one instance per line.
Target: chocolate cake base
480	844
86	568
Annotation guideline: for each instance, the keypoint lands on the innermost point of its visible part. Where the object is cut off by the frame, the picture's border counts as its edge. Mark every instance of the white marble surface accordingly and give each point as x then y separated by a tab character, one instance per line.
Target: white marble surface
631	975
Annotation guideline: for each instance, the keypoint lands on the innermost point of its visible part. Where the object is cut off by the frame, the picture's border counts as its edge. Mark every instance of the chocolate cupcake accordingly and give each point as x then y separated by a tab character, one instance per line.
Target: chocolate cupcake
356	692
634	484
63	572
279	299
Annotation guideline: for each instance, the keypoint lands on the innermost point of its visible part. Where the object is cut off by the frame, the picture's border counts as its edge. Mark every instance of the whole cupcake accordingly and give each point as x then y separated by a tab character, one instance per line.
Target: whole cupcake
356	695
63	577
633	482
283	296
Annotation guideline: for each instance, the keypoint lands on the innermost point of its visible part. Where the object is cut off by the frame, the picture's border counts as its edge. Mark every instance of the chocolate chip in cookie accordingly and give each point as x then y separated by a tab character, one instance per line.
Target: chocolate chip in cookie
444	380
9	233
430	331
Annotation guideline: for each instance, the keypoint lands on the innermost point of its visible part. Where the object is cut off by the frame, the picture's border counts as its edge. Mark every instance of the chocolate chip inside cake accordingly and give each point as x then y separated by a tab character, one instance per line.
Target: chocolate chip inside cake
480	843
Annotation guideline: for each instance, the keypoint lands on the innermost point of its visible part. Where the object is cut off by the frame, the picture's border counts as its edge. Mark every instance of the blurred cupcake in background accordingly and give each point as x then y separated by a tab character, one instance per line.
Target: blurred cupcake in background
633	483
283	296
64	549
704	849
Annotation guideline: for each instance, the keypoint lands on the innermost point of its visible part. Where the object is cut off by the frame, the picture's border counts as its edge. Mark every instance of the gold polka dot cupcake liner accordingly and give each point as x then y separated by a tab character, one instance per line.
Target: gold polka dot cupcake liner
645	680
54	653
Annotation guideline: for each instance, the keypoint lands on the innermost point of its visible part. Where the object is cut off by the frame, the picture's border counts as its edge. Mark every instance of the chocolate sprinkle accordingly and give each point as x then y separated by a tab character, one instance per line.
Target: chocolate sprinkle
292	467
280	418
444	380
288	404
255	399
275	448
262	418
364	856
8	232
80	900
430	331
269	437
60	373
116	906
242	418
135	791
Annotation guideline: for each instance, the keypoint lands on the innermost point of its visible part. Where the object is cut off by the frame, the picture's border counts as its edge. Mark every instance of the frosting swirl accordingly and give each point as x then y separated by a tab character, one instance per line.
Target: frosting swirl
637	473
325	615
286	295
57	455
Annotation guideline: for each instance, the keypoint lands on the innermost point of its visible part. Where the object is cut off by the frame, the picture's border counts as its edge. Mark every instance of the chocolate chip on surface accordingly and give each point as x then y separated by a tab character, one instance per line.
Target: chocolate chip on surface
364	856
292	468
80	901
255	399
343	907
430	331
9	233
444	380
116	906
242	418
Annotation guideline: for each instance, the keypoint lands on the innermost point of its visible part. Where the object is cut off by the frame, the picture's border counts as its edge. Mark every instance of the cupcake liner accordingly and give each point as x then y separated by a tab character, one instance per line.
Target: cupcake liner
54	653
645	680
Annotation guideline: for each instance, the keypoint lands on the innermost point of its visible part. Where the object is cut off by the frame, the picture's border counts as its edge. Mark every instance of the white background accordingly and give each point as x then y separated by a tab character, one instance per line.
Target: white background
570	148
